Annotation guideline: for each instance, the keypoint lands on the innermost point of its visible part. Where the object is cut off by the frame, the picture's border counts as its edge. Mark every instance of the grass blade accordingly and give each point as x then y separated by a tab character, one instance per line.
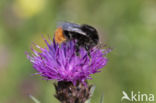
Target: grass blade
34	99
102	99
91	93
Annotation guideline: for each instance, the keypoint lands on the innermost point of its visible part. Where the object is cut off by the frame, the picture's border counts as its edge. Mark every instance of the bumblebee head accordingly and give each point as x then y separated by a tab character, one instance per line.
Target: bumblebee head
59	35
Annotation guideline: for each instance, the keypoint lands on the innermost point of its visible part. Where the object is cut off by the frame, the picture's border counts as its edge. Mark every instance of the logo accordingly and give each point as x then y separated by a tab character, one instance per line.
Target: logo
134	97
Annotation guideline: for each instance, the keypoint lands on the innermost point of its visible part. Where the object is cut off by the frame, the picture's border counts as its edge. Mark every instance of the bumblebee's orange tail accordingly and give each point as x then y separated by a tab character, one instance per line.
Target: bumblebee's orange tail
59	36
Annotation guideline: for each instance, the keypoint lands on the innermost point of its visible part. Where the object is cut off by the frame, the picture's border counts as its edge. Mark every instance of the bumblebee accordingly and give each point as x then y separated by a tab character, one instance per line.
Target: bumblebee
85	35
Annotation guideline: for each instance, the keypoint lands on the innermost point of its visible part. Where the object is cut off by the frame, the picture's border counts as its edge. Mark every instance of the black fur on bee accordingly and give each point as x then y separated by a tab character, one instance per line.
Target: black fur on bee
85	35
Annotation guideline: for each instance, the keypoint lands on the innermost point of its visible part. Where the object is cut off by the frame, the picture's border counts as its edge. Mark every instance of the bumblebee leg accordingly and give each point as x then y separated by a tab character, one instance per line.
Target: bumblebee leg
88	50
89	54
77	49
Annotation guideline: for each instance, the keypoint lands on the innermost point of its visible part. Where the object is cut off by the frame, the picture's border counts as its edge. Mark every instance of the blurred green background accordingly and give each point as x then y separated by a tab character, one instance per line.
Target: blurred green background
128	26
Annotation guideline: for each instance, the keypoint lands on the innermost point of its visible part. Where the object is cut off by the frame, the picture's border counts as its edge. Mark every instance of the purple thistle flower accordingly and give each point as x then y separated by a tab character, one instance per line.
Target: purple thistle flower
60	62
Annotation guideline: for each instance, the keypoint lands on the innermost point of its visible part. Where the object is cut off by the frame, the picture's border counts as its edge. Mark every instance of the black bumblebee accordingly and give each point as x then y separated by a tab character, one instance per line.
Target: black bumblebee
85	35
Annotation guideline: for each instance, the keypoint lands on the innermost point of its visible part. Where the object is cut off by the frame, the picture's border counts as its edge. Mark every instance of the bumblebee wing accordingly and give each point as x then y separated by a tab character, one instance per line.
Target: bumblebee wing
76	30
68	24
71	27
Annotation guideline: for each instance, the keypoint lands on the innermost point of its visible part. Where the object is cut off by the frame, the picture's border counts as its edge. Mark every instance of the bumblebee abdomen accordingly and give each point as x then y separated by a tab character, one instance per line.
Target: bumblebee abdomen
59	36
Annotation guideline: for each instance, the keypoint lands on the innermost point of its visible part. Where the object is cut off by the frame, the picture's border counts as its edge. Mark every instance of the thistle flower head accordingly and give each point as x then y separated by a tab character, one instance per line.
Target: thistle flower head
60	62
